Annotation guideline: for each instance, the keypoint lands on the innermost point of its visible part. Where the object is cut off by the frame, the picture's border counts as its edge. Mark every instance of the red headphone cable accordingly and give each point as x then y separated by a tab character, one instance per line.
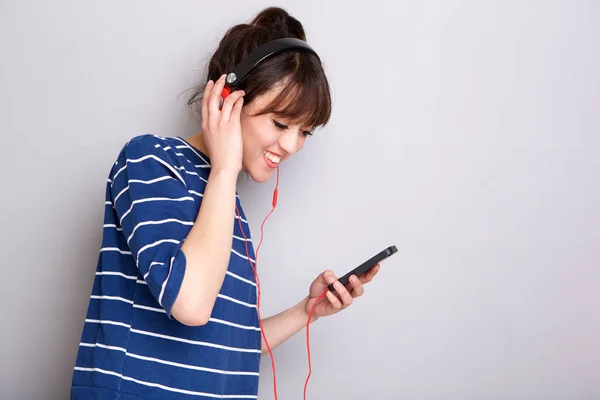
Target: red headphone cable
275	192
308	339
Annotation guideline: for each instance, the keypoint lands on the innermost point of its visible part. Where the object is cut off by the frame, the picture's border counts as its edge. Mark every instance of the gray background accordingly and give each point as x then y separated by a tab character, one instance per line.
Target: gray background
464	132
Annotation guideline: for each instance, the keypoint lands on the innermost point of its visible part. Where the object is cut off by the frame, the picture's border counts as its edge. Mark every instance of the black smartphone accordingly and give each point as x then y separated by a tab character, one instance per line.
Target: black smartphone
367	265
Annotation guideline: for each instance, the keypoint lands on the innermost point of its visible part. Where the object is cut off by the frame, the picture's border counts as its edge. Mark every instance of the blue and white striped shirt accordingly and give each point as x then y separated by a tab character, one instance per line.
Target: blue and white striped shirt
131	347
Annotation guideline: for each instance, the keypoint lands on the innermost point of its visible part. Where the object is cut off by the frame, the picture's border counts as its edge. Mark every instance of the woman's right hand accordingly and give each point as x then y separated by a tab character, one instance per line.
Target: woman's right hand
221	127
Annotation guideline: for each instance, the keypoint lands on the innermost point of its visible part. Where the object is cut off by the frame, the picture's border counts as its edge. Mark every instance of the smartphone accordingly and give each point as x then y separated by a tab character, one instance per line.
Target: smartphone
367	265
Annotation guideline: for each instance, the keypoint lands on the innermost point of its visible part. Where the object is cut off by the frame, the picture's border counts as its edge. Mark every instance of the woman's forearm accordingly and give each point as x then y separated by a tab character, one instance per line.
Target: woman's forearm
280	327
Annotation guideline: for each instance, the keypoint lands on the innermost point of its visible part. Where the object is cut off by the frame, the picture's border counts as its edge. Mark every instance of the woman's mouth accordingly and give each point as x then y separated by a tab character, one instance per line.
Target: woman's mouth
271	159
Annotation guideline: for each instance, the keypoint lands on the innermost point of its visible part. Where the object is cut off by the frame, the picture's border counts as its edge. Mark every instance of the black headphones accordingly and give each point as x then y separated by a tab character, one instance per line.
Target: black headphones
246	66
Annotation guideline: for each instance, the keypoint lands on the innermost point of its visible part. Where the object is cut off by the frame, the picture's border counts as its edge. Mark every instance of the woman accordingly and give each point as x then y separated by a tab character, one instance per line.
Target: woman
173	312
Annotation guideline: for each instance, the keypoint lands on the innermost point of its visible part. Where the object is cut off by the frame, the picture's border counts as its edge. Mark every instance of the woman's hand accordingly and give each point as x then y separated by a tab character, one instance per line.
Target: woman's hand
343	296
221	127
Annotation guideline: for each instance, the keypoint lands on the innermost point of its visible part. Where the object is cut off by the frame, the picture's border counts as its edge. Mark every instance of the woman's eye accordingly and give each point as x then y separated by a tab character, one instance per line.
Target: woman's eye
279	125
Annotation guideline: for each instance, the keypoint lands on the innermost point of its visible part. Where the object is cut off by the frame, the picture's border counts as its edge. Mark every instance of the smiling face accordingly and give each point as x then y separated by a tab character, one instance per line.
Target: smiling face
286	97
269	138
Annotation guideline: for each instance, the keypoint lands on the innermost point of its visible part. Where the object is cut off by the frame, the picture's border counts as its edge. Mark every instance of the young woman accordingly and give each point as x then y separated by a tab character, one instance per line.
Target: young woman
173	312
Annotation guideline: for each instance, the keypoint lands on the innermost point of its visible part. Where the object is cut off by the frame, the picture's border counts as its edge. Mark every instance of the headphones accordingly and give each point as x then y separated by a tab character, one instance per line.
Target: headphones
233	80
241	71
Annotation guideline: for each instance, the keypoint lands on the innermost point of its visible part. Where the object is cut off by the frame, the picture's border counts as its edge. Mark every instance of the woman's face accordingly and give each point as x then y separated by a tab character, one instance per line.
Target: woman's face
267	139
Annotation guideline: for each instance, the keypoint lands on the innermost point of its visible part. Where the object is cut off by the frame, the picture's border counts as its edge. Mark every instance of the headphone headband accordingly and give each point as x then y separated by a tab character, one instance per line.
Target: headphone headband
243	69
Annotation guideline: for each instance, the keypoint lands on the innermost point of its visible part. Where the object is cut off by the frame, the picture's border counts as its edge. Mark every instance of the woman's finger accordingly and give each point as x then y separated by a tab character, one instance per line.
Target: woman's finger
335	302
328	276
357	288
368	276
343	293
214	101
228	104
237	110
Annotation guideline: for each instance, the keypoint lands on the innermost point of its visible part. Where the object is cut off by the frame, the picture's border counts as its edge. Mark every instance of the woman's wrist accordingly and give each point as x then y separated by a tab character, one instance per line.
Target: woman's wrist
306	311
223	173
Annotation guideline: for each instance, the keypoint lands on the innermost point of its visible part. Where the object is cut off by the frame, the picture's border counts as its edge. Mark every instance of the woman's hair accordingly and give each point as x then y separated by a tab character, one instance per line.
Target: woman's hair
305	97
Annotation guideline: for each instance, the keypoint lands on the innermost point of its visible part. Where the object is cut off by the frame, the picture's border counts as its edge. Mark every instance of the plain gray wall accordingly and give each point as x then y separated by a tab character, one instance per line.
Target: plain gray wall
464	132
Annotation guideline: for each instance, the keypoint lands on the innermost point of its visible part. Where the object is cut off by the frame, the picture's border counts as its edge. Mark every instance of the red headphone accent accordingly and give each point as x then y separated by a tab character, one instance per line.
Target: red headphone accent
226	92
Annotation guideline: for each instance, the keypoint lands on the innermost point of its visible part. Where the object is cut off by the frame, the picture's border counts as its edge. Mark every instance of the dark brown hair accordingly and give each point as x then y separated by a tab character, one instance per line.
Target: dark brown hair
305	96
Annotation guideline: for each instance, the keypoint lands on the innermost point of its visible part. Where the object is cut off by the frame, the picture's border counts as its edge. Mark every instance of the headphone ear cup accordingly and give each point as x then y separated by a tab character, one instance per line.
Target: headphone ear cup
226	92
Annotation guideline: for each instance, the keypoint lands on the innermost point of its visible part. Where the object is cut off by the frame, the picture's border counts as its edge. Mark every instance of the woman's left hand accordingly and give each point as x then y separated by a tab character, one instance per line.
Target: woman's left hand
341	298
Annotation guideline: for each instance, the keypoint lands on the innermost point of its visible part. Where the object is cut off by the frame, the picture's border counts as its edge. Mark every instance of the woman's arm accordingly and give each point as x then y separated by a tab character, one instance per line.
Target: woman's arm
207	249
181	251
280	327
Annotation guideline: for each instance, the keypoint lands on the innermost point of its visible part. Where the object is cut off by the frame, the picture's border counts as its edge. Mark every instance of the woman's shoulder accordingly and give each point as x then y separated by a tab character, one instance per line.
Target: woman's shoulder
151	146
148	152
147	142
172	152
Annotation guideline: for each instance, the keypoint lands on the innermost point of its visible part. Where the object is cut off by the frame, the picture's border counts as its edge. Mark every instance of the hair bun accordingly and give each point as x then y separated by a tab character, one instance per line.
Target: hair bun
278	19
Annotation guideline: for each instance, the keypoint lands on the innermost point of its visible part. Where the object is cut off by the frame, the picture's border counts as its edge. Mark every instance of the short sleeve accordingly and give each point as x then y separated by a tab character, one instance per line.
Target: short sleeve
156	212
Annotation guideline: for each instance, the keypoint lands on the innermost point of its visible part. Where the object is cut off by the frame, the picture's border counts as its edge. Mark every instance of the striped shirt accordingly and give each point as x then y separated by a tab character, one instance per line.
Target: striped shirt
131	346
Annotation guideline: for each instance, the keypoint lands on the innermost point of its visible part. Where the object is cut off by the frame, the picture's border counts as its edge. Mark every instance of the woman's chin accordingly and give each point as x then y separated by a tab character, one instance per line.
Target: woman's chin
259	174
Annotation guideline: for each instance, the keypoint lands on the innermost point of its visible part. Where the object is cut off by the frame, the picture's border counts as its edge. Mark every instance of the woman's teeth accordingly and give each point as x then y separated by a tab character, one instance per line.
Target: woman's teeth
272	157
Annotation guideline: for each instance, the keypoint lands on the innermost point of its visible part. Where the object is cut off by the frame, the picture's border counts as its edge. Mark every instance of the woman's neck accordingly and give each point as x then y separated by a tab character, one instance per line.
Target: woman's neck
197	140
